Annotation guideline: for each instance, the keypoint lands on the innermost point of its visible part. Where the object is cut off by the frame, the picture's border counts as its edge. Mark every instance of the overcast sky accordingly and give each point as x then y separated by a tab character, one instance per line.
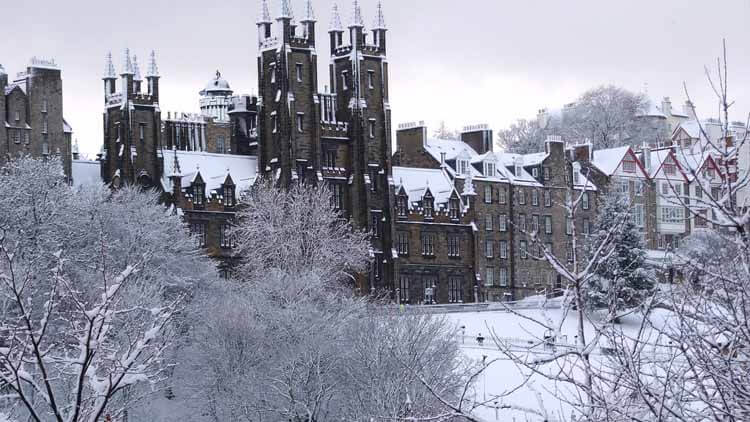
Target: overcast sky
464	62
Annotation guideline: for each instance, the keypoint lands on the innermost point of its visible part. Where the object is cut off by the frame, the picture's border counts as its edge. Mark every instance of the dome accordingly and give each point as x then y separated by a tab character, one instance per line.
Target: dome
217	86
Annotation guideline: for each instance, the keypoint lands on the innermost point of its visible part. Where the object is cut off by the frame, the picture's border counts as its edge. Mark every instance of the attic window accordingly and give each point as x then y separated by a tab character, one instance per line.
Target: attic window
228	195
628	166
463	166
402	205
454	209
670	169
489	169
429	206
199	194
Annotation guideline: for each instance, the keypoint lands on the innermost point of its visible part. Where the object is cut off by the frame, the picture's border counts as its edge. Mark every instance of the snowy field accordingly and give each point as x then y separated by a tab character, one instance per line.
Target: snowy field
503	376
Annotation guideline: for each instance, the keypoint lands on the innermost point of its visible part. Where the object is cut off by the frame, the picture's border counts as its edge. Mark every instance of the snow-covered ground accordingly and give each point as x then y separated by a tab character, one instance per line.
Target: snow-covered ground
525	336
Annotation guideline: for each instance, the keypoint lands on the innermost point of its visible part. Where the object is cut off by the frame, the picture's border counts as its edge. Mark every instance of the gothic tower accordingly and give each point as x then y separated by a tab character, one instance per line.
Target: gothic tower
132	125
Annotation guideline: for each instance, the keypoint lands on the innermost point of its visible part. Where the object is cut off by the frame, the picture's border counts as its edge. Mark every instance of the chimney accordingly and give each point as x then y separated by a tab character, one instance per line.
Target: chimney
666	106
646	152
411	139
689	110
478	137
554	145
581	153
442	160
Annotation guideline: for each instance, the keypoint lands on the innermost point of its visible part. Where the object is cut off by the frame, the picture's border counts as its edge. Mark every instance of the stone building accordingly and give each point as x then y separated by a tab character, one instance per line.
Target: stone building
32	109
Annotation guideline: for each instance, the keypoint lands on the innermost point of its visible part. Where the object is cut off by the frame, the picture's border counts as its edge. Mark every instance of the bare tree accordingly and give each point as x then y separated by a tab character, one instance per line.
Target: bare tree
443	132
91	283
523	137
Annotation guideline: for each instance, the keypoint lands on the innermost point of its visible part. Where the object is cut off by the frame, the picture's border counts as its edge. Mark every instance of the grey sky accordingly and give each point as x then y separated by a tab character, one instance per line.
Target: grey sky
473	61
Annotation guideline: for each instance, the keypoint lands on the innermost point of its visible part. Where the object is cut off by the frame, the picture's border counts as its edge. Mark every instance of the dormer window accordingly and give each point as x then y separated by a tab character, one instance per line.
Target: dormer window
199	194
670	169
535	172
429	206
628	166
454	209
228	196
463	166
401	205
489	169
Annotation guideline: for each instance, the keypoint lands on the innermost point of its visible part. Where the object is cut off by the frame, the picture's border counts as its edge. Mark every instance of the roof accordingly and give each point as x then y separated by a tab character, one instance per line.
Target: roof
213	168
217	85
608	160
416	181
654	111
9	88
66	127
451	148
86	173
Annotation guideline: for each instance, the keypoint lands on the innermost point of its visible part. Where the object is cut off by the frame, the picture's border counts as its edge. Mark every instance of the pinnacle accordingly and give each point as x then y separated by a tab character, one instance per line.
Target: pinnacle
379	17
286	10
309	12
153	70
127	66
136	70
357	20
336	25
109	68
265	15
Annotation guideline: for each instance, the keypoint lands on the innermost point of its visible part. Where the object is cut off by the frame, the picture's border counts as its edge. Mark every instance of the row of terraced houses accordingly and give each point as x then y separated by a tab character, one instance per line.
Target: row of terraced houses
449	219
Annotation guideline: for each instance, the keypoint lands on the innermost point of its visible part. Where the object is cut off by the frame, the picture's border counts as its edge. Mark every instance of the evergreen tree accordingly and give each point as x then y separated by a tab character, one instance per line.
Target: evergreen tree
621	280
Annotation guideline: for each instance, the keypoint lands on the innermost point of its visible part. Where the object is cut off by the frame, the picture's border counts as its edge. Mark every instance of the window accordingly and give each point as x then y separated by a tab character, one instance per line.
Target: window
488	222
401	204
463	167
344	84
377	267
672	215
455	290
199	194
26	138
503	249
547	173
698	191
623	186
503	277
375	225
550	249
521	197
300	122
16	135
576	177
273	73
44	105
638	215
522	222
628	166
337	199
274	122
524	249
299	72
330	159
374	180
670	169
665	188
199	231
371	79
141	132
502	196
488	194
569	226
45	148
404	289
428	244
569	251
535	223
225	237
403	243
638	188
490	279
488	249
18	116
220	147
547	199
228	196
429	206
548	224
535	172
535	198
700	219
453	246
489	169
454	209
45	125
502	223
372	128
585	200
586	226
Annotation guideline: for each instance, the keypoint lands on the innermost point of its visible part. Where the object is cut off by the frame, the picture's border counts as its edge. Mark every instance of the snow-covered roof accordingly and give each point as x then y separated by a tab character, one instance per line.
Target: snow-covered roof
608	160
66	127
658	156
451	148
9	88
416	181
654	111
86	173
213	168
216	85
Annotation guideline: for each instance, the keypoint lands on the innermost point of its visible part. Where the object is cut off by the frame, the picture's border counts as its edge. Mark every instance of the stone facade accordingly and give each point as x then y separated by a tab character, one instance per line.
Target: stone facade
31	108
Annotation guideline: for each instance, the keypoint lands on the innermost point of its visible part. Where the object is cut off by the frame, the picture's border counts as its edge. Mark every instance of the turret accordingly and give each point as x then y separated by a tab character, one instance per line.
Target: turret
357	27
110	77
308	23
285	19
3	79
126	76
137	78
264	23
379	28
152	76
336	30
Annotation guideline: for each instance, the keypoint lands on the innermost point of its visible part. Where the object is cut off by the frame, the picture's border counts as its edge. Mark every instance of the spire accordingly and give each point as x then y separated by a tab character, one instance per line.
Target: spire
127	65
2	70
379	17
153	70
286	10
109	68
357	20
336	25
265	15
136	70
309	12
